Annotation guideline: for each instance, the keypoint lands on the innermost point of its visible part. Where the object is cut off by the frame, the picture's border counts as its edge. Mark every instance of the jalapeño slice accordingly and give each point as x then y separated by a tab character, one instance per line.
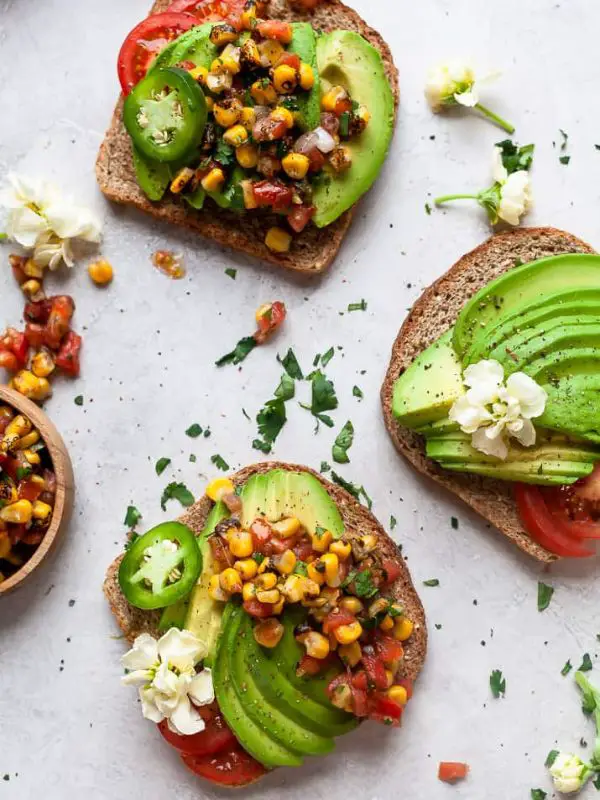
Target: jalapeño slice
165	114
161	566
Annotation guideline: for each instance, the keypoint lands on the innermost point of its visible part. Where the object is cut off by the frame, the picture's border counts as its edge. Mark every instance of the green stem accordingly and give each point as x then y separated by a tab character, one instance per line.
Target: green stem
495	118
446	198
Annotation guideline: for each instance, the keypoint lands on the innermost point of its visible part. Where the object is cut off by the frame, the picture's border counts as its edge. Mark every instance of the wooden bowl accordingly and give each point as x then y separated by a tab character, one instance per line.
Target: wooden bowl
65	486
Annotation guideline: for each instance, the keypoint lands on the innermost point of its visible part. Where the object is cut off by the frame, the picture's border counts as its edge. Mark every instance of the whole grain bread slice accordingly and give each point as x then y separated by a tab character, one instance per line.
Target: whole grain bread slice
314	249
433	314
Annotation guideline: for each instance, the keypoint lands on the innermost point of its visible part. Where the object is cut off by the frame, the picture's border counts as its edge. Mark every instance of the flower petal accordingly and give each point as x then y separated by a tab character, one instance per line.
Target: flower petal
181	649
469	99
527	433
137	676
491	447
469	416
185	719
201	688
143	654
149	708
499	171
515	197
531	396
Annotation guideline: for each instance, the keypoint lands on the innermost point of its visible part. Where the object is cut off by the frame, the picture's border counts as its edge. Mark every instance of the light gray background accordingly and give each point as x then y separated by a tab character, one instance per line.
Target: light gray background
148	373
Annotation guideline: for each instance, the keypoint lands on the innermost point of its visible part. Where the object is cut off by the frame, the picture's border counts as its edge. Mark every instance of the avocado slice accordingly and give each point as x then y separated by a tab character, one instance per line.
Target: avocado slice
193	45
516	356
542	473
425	392
304	44
573	403
280	493
460	450
153	177
438	428
345	58
257	740
524	284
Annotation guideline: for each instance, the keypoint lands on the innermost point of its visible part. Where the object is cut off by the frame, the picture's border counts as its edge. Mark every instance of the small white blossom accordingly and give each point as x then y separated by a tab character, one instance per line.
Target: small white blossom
451	84
167	671
569	773
515	197
492	411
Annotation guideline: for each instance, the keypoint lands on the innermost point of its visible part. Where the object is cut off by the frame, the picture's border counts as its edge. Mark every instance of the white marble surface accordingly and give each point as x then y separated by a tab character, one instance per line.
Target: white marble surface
148	373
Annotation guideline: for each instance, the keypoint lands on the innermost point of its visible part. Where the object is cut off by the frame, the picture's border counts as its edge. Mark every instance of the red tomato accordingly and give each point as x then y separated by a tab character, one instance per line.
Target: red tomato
68	355
59	320
360	680
303	549
35	334
269	317
146	41
8	361
214	738
275	546
385	710
388	649
220	551
273	193
268	129
375	672
257	609
392	570
275	29
209	10
13	341
360	702
290	60
546	529
38	312
452	771
28	490
299	217
261	533
337	618
232	767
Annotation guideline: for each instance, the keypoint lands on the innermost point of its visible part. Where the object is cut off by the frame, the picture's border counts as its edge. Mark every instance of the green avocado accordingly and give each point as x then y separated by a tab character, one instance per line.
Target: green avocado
344	58
541	473
282	493
459	449
193	45
304	44
256	739
526	348
153	177
425	392
582	391
437	428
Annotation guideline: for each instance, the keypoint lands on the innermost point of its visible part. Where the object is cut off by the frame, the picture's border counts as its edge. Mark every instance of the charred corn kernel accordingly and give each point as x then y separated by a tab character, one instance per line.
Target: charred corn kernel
315	574
6	413
341	549
286	562
250	54
18	513
38	481
316	645
241	544
101	272
389	677
285	79
248	192
268	596
270	52
31	288
227	113
351	604
247	155
263	92
41	510
230	580
248	17
403	629
214	179
278	607
350	653
8	495
268	632
346	634
296	165
210	103
7	443
363	114
181	180
397	609
32	457
236	136
307	77
321	540
293	588
248	117
331	98
215	590
281	114
223	34
340	159
27	384
19	426
291	525
398	694
278	240
42	364
230	58
248	591
266	581
332	569
199	74
387	623
32	270
378	606
247	568
218	488
368	542
265	565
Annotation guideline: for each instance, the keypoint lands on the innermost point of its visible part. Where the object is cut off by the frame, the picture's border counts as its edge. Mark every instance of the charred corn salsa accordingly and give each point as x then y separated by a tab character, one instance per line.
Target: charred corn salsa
27	490
342	583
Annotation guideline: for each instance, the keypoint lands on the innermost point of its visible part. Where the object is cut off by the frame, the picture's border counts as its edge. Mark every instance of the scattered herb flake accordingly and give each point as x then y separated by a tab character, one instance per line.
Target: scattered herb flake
565	139
245	413
564	159
586	663
544	596
78	400
497	683
325	467
538	794
161	465
242	349
342	444
290	364
596	782
515	158
567	668
220	462
427	209
393	522
132	517
326	357
356	392
454	523
356	491
362	306
231	272
323	394
431	582
192	458
551	758
286	388
194	431
363	584
271	420
206	433
176	491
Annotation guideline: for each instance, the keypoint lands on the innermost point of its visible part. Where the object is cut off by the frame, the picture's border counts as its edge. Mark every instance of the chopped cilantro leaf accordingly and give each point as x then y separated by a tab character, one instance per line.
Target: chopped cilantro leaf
567	668
342	444
300	568
258	557
194	431
176	491
356	491
431	582
192	458
23	472
78	400
427	209
161	465
219	462
132	517
564	159
497	683
326	357
286	388
224	153
325	467
242	349
323	394
516	158
544	596
551	758
362	306
356	392
393	522
565	139
290	364
231	272
363	584
538	794
586	663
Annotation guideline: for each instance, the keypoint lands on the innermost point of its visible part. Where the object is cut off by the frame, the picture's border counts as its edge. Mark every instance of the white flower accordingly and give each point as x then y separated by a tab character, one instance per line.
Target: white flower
515	197
569	773
449	84
492	412
167	670
42	220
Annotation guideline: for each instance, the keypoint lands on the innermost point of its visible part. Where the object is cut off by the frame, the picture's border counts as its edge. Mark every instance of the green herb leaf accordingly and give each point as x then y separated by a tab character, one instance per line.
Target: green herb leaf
596	782
564	159
224	153
194	431
242	349
192	458
176	491
326	357
565	139
219	462
497	683
132	517
516	158
356	491
78	400
325	467
566	669
588	694
325	419
393	522
300	568
544	596
538	794
432	582
286	388
362	306
290	364
161	465
551	758
427	209
231	272
258	557
23	472
323	394
357	392
271	420
586	663
454	523
363	584
342	444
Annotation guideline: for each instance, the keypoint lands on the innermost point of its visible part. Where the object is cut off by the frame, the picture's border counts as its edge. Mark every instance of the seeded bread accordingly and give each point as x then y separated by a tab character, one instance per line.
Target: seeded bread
434	313
314	249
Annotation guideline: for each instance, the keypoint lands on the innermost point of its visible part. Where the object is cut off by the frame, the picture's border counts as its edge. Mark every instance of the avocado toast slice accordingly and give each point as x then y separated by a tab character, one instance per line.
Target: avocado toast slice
433	315
315	248
277	715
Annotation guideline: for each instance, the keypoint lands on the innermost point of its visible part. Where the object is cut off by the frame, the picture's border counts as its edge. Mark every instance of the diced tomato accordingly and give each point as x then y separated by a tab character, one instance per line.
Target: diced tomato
33	537
209	10
360	702
8	361
359	698
317	160
299	217
16	533
385	710
261	533
38	312
335	619
545	528
290	60
35	333
231	767
269	317
29	490
392	570
308	666
10	466
275	29
59	320
276	546
360	680
303	549
14	342
215	737
375	672
452	771
257	609
269	129
274	194
388	649
68	355
220	551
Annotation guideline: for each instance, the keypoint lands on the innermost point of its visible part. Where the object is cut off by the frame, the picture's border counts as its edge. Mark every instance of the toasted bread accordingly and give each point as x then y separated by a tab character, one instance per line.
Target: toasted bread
434	313
314	249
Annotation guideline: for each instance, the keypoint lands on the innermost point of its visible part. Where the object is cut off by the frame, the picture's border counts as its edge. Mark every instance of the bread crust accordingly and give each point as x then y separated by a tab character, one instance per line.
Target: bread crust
434	313
312	251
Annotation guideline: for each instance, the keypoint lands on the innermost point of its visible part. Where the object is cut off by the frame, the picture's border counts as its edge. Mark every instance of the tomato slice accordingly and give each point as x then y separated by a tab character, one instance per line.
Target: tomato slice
452	771
209	10
544	527
214	738
231	767
146	41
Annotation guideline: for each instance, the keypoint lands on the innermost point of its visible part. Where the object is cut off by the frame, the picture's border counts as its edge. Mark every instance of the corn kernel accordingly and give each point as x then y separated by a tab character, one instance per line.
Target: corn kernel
270	52
32	457
247	568
321	540
210	103
248	591
41	510
263	92
268	632
332	569
33	270
307	77
316	645
19	426
9	495
248	117
38	481
331	98
286	562
315	574
346	634
265	564
181	180
199	74
379	606
340	159
218	79
32	288
398	694
214	180
5	545
389	677
42	364
240	543
342	697
218	488
351	604
228	112
231	581
247	154
248	18
250	54
281	114
223	34
285	79
215	590
266	581
278	607
403	629
250	201
101	272
278	240
341	549
27	384
291	525
387	623
350	654
268	596
18	513
230	58
293	588
236	135
25	442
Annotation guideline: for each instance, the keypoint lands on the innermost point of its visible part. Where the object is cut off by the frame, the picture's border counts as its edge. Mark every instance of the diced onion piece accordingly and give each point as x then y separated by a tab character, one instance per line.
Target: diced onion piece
324	140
